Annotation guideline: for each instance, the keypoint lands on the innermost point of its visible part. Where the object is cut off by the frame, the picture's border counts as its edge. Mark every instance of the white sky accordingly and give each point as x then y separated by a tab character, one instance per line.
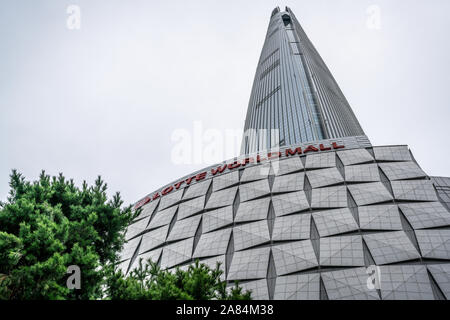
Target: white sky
106	99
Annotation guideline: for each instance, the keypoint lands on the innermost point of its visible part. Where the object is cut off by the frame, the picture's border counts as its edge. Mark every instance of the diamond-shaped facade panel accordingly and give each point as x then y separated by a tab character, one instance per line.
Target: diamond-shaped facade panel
196	190
341	251
216	219
153	239
298	287
362	173
294	256
402	170
254	190
291	165
350	284
426	215
184	229
415	190
355	156
221	198
292	227
171	199
329	197
320	160
225	180
257	172
406	282
191	207
333	222
380	217
129	248
148	209
162	218
434	243
213	244
136	228
250	234
290	203
441	274
324	177
177	253
390	247
289	183
249	264
392	153
253	210
369	193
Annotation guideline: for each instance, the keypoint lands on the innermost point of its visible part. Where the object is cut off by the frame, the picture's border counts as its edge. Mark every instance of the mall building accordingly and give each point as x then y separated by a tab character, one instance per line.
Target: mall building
313	211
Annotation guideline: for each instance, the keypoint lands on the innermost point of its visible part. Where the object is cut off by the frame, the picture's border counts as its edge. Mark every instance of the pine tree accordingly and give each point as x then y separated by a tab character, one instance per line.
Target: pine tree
149	282
50	224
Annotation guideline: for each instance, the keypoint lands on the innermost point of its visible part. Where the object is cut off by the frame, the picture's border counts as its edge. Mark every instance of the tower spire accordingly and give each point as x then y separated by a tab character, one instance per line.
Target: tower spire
295	98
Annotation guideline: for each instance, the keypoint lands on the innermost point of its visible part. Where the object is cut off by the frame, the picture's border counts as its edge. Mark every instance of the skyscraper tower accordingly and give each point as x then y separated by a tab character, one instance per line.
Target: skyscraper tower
295	98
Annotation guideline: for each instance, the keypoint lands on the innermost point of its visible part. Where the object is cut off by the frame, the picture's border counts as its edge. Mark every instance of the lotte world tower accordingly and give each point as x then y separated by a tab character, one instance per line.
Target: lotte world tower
294	92
327	215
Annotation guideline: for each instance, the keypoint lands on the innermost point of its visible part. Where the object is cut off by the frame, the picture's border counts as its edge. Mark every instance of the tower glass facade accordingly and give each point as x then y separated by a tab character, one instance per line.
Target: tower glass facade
294	98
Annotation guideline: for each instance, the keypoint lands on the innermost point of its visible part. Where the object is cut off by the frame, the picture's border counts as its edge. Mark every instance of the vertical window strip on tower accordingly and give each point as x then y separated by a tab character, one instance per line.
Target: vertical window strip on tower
270	56
260	103
269	69
273	32
289	94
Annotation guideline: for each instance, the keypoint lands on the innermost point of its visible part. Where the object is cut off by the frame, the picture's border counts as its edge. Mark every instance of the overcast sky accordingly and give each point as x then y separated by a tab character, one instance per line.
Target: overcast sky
107	98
